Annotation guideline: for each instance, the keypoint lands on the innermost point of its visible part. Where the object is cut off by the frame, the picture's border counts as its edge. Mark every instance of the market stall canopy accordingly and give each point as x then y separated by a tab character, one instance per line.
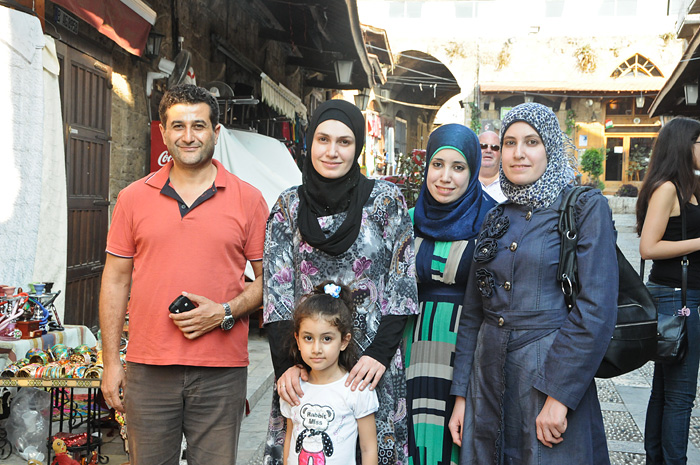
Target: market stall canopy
126	22
259	160
419	79
322	37
281	99
671	100
377	43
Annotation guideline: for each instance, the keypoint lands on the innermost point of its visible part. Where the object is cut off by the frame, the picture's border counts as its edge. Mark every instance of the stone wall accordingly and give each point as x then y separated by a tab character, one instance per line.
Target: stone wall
622	205
195	21
130	147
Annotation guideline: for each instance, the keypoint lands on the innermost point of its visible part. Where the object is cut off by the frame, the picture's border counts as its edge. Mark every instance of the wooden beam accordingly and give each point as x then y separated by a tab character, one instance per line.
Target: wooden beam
274	34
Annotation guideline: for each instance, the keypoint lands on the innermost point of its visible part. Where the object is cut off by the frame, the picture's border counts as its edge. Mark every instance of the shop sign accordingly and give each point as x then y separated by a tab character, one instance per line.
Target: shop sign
159	152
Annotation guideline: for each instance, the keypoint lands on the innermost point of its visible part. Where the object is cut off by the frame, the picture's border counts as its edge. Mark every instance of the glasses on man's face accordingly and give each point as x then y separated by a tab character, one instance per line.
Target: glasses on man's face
494	147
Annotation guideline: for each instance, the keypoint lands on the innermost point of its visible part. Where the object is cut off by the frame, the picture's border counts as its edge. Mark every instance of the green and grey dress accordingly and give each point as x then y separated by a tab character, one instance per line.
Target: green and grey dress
442	269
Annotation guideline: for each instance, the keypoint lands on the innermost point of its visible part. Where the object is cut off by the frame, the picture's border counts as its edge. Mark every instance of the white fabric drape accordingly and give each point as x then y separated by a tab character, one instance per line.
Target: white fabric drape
22	94
261	161
50	261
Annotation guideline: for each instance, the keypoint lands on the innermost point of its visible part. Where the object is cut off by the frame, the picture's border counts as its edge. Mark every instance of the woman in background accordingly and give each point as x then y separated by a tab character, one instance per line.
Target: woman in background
671	183
448	215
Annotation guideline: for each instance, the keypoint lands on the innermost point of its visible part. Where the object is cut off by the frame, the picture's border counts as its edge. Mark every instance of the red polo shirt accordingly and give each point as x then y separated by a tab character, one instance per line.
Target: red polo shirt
203	252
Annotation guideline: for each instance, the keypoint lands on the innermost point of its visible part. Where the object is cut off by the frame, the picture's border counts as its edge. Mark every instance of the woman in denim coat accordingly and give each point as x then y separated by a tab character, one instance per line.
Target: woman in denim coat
525	363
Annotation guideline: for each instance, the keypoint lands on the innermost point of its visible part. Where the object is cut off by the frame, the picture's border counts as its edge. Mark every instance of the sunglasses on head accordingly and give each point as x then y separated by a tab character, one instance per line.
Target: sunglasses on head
494	147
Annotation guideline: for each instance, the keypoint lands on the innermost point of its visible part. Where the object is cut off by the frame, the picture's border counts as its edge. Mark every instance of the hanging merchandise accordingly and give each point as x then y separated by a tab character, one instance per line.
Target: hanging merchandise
374	125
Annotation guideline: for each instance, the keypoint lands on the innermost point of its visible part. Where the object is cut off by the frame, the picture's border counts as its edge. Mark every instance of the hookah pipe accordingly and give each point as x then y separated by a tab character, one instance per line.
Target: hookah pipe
15	312
54	325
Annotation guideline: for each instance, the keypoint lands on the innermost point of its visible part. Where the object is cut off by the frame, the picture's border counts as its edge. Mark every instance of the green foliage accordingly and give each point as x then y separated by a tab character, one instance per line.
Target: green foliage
592	164
410	172
595	184
570	121
627	190
639	160
476	117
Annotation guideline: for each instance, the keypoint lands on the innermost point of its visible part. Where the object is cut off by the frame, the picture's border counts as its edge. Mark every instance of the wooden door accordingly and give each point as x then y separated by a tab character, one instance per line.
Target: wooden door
627	157
86	100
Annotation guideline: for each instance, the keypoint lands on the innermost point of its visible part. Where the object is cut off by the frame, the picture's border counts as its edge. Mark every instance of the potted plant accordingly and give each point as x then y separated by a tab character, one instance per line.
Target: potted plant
592	165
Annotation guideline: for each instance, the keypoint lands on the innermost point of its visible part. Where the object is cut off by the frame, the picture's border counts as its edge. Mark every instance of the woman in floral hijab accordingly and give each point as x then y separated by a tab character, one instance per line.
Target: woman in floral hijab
339	225
525	363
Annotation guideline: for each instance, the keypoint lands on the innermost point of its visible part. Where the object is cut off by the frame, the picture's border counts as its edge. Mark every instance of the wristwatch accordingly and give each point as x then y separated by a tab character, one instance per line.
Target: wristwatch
228	320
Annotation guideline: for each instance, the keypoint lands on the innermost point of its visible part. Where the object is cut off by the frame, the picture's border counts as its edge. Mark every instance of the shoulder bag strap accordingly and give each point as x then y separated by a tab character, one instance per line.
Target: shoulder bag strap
684	260
567	271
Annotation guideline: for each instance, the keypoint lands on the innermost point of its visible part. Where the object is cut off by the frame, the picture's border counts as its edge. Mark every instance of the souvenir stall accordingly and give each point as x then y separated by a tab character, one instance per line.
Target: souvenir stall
37	351
373	156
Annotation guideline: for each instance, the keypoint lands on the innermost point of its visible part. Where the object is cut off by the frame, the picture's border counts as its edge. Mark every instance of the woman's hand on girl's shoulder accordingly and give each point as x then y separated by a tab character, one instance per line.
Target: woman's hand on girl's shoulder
289	384
367	371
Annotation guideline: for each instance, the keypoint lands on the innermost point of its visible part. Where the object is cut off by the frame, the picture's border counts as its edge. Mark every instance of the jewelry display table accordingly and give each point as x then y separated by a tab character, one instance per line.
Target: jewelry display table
71	336
62	399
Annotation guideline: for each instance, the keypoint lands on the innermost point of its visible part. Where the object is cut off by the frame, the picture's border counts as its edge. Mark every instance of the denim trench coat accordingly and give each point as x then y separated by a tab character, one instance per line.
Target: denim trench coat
517	343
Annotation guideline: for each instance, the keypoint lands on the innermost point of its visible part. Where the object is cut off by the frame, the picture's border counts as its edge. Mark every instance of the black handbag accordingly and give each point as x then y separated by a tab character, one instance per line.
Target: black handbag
634	339
672	343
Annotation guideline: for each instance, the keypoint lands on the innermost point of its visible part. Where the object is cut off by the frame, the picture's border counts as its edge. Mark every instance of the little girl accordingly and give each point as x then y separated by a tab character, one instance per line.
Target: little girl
323	429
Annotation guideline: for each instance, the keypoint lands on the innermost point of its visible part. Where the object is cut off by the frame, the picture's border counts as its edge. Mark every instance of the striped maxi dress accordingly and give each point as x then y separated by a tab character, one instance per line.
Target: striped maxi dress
442	269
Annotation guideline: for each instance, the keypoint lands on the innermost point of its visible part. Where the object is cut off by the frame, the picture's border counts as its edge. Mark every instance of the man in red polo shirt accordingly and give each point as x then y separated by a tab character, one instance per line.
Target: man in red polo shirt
187	229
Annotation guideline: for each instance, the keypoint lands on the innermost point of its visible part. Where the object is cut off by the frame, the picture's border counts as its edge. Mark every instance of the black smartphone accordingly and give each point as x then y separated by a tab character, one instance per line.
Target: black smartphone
181	304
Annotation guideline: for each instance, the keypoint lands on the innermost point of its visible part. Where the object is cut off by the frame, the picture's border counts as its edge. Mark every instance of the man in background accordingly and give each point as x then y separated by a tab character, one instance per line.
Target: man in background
490	165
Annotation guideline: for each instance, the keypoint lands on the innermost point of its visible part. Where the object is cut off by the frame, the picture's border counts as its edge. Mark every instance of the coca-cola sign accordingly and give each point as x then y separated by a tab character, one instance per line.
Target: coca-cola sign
159	152
164	158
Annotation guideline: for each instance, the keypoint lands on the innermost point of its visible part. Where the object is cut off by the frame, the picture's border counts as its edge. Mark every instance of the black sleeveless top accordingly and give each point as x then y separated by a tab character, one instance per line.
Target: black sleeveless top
668	272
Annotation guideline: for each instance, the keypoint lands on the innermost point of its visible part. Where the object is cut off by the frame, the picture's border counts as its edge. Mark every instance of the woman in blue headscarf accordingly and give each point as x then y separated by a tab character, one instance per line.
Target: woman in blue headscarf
447	218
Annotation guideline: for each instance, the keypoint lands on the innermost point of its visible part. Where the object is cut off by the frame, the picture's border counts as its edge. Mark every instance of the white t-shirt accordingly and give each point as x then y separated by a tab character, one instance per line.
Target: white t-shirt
325	424
494	190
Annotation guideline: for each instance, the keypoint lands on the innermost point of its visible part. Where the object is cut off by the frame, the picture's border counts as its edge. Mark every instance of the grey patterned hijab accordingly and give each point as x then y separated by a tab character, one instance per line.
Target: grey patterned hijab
557	174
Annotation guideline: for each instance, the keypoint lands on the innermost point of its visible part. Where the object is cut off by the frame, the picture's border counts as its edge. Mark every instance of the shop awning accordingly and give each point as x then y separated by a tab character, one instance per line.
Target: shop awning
126	22
671	99
281	99
319	35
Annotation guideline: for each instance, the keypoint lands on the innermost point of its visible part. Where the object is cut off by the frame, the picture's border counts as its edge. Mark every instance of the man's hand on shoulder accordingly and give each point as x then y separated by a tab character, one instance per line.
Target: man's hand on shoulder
207	316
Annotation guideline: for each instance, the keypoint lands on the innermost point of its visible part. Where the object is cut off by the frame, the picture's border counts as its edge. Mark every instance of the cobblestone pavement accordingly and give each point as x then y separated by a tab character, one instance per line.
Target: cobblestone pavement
624	399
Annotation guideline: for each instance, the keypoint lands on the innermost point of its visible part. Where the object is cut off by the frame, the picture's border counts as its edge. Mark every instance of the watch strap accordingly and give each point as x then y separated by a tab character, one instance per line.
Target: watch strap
228	321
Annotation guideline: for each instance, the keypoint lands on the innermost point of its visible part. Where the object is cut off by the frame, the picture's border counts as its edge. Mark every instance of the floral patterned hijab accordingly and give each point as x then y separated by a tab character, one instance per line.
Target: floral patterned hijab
557	174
